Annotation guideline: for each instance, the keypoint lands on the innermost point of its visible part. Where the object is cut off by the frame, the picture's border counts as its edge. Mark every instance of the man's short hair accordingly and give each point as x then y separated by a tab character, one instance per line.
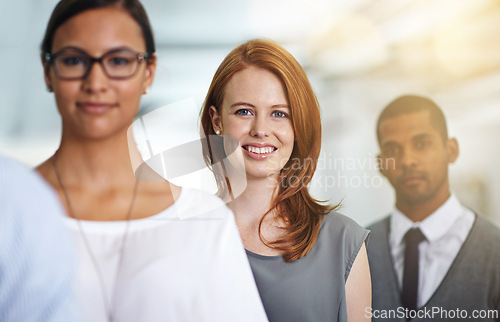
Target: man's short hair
407	104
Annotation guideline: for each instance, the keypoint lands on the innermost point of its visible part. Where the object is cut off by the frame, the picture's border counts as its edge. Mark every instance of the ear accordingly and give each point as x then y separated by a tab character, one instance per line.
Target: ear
216	119
46	74
150	72
452	149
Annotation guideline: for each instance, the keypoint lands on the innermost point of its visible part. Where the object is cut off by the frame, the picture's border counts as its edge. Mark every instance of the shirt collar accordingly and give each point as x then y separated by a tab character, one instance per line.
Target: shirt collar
433	227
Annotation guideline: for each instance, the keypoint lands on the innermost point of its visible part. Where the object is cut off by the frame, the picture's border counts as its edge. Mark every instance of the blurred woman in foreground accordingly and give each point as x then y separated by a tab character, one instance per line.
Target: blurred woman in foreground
149	251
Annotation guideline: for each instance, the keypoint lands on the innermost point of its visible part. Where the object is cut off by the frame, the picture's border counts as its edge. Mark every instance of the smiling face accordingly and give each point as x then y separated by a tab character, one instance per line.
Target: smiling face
415	159
97	107
255	111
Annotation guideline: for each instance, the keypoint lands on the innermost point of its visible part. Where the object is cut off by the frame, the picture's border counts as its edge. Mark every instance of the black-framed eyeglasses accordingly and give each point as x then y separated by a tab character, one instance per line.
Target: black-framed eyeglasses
75	64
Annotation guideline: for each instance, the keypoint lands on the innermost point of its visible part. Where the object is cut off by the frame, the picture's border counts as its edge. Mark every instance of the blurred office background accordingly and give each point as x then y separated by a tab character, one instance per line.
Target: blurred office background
359	55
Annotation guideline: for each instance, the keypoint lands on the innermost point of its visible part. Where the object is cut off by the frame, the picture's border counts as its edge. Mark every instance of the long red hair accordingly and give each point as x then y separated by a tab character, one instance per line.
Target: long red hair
294	205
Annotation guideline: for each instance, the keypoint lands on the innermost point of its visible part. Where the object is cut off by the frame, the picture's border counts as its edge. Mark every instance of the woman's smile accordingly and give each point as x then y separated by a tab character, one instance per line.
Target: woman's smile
259	151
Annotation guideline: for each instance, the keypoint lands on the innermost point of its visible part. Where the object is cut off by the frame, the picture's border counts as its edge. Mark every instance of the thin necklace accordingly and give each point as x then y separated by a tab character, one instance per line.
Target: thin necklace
109	307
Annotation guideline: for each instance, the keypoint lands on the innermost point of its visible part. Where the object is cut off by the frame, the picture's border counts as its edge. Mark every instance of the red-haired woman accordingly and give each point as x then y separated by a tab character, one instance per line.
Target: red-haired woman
309	262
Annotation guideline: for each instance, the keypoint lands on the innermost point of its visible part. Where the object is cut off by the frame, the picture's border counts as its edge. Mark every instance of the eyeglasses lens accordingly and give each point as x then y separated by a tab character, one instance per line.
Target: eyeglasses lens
116	64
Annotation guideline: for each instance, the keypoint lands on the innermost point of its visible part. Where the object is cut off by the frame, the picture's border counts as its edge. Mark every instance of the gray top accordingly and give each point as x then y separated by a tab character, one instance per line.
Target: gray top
311	288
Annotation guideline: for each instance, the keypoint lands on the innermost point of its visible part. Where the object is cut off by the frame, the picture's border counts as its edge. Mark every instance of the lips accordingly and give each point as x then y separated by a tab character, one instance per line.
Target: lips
412	179
259	151
95	108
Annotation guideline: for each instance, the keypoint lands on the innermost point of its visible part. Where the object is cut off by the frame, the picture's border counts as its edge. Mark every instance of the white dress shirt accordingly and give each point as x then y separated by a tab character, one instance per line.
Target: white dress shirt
445	231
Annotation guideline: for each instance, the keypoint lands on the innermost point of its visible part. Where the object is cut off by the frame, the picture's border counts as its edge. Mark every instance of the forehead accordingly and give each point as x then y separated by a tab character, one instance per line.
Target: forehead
406	127
255	85
98	30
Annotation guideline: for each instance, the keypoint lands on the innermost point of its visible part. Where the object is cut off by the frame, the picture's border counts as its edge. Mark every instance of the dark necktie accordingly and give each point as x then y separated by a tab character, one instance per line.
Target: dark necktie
410	274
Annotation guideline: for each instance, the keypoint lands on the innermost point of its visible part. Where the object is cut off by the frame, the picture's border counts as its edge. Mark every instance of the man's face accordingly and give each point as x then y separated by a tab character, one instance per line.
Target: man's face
414	158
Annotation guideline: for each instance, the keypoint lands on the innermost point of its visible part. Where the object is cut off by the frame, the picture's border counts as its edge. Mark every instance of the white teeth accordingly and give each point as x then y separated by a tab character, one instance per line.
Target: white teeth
259	150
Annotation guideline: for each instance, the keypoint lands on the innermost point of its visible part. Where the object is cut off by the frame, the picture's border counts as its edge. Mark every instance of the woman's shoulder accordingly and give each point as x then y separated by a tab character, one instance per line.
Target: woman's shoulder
345	235
339	222
342	230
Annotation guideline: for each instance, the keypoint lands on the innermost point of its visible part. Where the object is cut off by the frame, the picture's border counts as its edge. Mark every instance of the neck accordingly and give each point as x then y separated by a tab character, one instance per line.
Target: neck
419	210
254	201
94	163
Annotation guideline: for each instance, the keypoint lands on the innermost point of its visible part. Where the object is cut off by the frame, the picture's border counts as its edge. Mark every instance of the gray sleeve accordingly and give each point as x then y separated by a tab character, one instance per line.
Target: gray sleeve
350	237
353	236
359	236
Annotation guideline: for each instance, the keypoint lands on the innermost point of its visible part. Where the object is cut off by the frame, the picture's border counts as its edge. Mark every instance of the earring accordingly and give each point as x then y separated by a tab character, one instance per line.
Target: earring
49	89
146	90
217	132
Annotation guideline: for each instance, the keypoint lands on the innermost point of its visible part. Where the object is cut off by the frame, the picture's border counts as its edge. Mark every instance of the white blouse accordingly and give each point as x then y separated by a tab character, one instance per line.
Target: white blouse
186	263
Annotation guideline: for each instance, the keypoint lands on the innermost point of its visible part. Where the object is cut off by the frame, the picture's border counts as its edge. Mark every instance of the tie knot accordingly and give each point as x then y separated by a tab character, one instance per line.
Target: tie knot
414	236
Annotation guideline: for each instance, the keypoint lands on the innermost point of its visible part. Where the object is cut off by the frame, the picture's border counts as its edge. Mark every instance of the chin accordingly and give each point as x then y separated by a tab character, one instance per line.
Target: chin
262	173
103	129
97	134
414	198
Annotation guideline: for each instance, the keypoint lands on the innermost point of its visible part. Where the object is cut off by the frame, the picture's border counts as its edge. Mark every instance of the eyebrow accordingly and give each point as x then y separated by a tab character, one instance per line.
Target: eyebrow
421	136
416	137
388	143
251	105
75	48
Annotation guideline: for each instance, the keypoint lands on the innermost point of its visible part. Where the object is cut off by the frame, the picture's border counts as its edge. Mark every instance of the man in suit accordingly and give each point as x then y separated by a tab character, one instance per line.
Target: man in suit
431	258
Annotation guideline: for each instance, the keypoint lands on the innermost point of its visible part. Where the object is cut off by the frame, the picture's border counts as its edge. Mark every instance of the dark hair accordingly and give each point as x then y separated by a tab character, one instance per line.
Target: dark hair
407	104
66	9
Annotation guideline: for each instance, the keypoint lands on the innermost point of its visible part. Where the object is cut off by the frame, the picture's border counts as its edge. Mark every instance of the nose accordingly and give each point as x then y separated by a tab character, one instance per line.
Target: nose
409	158
259	128
96	79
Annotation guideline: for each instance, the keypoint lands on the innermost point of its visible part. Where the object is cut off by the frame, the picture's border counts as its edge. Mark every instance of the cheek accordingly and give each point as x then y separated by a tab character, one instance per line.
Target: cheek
65	94
234	126
131	88
390	170
439	164
389	165
129	93
286	135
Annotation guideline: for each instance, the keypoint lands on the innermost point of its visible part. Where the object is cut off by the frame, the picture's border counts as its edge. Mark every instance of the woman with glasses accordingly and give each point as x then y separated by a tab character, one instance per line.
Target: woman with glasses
148	251
309	262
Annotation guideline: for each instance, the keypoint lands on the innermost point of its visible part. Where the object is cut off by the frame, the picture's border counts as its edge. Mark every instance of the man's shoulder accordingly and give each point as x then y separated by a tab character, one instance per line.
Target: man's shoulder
479	255
486	233
379	236
380	227
484	225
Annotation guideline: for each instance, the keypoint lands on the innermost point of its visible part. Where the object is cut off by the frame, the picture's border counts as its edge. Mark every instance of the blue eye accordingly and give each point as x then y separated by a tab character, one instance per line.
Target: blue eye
279	114
243	112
